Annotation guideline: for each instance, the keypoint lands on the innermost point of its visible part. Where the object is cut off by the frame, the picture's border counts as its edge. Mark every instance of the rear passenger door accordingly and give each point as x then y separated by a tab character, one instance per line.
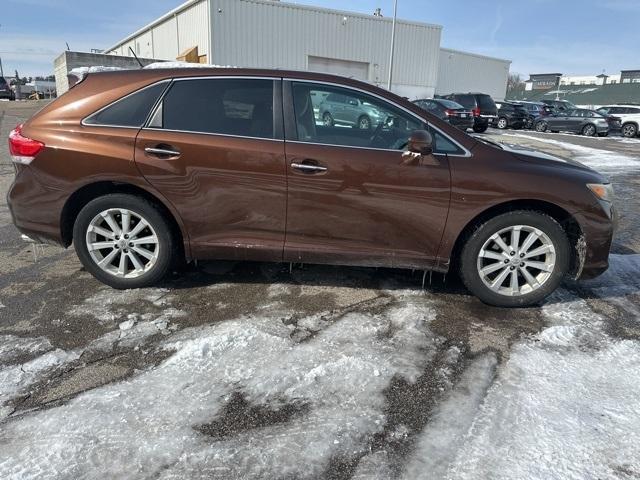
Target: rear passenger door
214	148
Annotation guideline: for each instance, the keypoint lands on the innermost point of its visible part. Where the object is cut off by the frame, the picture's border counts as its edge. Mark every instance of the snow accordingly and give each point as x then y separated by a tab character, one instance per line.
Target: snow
12	346
145	426
156	65
601	160
565	405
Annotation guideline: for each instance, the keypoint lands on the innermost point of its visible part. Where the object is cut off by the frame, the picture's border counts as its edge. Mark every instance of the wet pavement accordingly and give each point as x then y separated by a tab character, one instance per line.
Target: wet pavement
255	370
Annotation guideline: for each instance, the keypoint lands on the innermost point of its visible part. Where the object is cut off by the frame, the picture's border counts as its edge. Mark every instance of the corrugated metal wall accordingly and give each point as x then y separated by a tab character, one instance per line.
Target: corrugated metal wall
169	38
466	72
264	34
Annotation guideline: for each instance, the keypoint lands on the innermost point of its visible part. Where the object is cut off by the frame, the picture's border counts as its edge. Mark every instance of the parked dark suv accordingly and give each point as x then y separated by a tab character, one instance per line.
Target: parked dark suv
5	90
481	105
140	168
449	111
511	115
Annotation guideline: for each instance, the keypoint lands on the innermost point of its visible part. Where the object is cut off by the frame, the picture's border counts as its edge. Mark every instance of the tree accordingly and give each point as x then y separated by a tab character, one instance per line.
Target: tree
515	84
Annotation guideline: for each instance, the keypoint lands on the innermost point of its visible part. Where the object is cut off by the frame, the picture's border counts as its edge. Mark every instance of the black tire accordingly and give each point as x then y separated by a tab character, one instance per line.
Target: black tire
589	130
502	123
471	250
364	123
629	130
541	126
151	214
480	128
327	120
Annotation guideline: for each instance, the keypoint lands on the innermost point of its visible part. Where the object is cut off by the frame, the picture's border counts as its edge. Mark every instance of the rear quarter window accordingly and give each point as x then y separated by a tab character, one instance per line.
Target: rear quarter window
467	101
129	111
486	102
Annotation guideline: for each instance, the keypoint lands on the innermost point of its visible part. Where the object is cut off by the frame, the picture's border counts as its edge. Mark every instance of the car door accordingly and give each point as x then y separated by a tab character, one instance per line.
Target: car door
350	198
558	121
214	148
575	121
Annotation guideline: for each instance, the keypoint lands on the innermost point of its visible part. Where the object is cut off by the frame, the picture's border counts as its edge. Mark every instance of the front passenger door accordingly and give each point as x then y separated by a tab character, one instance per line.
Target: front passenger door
350	198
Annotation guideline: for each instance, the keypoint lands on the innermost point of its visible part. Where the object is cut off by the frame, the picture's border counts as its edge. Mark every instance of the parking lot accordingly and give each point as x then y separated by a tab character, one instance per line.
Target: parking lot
252	370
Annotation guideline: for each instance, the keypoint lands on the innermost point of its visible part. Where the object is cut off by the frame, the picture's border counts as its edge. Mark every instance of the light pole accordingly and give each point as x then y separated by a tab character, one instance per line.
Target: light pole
393	42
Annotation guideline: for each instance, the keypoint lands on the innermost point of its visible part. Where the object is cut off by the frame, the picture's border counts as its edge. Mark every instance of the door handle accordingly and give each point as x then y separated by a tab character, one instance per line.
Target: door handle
162	151
308	167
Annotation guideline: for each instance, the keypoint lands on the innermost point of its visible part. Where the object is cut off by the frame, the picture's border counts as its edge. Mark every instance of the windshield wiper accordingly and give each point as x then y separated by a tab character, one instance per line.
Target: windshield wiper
489	142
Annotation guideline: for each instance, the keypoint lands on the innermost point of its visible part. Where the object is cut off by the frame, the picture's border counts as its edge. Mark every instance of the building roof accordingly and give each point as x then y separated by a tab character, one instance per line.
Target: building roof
607	94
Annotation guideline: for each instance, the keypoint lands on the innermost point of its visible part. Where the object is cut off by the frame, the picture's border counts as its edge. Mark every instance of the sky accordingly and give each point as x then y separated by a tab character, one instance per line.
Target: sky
569	36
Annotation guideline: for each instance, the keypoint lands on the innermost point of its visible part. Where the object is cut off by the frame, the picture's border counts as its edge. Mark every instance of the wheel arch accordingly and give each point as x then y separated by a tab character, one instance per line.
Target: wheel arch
567	221
91	191
632	122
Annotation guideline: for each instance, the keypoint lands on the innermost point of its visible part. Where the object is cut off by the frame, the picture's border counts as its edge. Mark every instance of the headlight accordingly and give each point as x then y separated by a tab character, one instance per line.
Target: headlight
603	191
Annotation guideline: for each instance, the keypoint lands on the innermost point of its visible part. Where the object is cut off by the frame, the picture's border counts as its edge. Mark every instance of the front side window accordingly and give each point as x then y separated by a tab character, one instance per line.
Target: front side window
366	122
130	111
226	106
361	121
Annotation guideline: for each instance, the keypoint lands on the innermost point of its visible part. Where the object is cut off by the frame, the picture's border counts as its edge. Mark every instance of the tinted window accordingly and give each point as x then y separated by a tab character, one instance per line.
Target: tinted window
442	144
486	102
467	101
130	111
227	106
633	110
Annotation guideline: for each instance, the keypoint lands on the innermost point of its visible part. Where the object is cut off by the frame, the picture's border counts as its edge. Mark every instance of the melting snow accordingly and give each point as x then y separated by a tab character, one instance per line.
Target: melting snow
601	160
146	424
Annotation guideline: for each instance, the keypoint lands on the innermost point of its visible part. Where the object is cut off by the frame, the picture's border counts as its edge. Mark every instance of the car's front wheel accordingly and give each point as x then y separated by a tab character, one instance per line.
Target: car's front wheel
515	259
503	123
124	241
589	130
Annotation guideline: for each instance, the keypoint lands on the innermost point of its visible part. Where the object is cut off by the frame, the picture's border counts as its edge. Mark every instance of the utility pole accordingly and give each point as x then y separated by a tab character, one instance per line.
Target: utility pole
1	70
393	42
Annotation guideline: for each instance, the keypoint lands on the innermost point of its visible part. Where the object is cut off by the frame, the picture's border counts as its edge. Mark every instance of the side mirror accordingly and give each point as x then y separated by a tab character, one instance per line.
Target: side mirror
421	142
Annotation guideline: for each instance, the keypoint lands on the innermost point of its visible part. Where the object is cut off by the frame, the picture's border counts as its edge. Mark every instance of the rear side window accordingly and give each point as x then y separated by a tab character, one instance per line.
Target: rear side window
467	101
129	111
226	106
486	102
633	110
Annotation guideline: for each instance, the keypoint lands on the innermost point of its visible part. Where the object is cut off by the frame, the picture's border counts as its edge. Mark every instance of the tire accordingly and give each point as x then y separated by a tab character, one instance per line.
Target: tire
503	123
588	130
541	126
629	130
364	123
327	120
553	238
480	129
137	270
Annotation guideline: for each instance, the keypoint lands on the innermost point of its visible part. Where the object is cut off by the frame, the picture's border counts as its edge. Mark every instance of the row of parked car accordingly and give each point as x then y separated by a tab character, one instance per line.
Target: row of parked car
478	111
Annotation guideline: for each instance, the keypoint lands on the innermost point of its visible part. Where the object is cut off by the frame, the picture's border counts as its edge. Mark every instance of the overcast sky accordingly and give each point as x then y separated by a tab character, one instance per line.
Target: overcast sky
569	36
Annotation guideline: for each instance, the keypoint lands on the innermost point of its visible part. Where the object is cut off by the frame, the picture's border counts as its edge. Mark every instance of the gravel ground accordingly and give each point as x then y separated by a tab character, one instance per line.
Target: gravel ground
251	370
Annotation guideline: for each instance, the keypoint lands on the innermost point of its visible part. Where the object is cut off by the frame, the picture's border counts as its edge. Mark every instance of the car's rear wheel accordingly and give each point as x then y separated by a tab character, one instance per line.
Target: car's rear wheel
327	120
480	128
541	127
629	130
589	130
124	241
515	259
503	123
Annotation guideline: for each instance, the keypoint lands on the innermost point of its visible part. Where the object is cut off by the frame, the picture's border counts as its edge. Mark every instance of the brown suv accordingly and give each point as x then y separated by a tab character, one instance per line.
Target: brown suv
139	168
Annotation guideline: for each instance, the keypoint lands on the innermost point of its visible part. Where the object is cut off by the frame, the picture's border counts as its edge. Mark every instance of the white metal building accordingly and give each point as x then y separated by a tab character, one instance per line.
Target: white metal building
274	34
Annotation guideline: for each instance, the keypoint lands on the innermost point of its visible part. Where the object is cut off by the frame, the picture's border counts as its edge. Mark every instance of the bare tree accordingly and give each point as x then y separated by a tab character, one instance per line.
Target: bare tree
515	84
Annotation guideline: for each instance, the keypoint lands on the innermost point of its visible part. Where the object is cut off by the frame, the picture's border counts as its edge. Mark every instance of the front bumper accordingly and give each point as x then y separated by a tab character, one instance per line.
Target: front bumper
598	228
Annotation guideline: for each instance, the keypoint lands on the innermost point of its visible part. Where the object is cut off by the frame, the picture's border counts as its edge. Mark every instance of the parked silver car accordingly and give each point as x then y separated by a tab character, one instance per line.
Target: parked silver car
337	109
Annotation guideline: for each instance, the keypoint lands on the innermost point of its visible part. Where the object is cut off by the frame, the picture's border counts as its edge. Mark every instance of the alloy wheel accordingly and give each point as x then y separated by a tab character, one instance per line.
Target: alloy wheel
122	243
364	124
629	130
502	123
516	260
589	130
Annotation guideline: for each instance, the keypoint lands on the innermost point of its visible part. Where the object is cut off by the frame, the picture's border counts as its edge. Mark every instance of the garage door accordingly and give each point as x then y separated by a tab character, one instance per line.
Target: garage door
346	68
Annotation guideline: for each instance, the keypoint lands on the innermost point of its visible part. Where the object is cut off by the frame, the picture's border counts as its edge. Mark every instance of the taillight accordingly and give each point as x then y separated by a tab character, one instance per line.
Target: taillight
448	112
476	112
23	150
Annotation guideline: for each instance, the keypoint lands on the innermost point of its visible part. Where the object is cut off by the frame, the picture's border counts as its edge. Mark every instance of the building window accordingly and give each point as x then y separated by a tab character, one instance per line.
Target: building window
613	81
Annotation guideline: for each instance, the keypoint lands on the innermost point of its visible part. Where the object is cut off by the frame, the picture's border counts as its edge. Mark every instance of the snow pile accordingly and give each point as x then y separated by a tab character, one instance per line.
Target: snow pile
601	160
12	347
150	424
81	72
